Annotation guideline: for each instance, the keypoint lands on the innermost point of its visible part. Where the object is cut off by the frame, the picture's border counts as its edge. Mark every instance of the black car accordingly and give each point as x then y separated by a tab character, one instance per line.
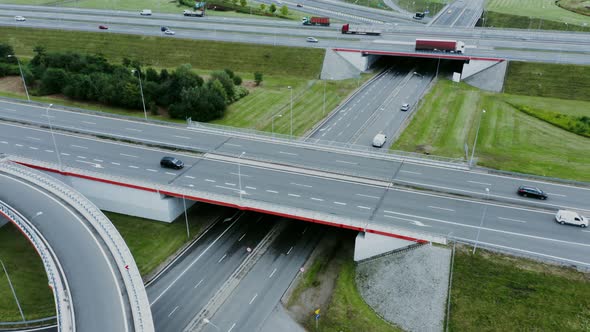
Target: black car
531	192
171	162
164	29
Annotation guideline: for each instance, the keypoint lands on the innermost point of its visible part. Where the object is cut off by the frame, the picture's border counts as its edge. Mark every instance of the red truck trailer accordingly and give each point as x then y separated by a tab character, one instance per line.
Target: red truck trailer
440	45
360	30
324	21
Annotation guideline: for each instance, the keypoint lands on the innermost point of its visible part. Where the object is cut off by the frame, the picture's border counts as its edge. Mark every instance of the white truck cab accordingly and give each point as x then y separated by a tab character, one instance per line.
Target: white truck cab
571	217
146	12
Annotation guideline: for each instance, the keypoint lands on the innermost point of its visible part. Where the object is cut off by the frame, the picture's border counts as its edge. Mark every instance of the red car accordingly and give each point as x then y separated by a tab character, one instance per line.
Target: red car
103	27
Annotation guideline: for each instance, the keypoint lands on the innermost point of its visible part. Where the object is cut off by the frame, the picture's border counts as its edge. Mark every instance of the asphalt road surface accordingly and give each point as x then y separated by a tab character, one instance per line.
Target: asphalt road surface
525	229
460	13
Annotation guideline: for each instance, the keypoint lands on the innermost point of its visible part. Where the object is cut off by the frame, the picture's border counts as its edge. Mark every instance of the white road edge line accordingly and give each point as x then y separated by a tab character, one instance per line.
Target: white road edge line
255	295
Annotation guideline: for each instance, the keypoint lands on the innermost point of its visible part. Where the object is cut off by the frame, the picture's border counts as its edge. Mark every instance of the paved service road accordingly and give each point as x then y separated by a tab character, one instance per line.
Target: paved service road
470	183
530	230
96	293
460	13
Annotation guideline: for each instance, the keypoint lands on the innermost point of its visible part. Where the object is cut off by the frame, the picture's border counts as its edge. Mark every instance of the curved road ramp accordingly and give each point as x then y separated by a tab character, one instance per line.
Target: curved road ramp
95	281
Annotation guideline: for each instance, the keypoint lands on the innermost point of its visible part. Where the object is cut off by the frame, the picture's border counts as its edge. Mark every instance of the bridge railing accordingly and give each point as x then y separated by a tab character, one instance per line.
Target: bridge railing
55	273
138	301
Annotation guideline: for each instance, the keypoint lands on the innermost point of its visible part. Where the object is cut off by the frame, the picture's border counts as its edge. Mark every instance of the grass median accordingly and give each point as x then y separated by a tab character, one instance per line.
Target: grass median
538	14
508	138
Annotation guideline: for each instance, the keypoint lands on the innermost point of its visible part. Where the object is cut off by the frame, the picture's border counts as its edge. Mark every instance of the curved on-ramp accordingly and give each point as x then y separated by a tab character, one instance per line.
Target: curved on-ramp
98	286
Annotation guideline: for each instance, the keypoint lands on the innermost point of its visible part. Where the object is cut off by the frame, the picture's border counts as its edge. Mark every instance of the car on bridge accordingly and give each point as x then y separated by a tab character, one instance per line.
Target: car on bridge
534	192
171	162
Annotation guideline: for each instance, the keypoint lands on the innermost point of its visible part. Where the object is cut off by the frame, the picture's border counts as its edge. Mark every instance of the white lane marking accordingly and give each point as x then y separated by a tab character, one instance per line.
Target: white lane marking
232	327
339	203
240	174
363	207
3	142
288	252
288	153
50	151
346	162
209	180
219	261
248	187
191	185
133	129
98	160
181	137
81	157
45	116
170	314
485	184
417	173
64	154
253	298
560	195
128	155
33	148
301	185
151	170
170	173
272	191
189	177
133	166
9	110
231	144
19	145
34	138
293	195
114	163
415	222
316	199
509	219
369	196
586	231
440	208
88	122
495	230
230	184
241	237
273	273
199	283
228	188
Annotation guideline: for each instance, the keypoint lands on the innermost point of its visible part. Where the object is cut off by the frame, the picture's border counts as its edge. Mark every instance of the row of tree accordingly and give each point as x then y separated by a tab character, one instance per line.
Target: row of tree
92	78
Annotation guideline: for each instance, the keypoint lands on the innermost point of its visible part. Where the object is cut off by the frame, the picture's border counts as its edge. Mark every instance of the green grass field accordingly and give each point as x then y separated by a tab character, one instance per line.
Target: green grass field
508	139
171	52
533	15
548	80
379	4
434	6
28	278
272	99
494	292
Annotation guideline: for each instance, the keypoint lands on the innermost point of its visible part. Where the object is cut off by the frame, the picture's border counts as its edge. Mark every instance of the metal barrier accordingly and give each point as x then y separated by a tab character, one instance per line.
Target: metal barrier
55	274
138	300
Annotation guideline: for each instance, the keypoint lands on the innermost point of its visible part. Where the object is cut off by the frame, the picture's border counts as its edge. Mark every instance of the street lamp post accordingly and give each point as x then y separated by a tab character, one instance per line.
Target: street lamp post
475	141
206	321
21	75
273	123
53	135
324	109
291	126
483	216
240	174
141	90
188	233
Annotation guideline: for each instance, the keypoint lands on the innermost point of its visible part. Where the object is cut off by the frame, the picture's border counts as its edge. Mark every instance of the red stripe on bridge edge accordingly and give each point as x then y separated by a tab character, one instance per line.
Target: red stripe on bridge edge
419	55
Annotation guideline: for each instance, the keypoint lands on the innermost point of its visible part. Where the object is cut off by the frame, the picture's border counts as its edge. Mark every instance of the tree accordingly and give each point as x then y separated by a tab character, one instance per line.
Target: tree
164	75
152	75
229	73
53	81
284	10
262	6
273	8
216	86
243	3
258	78
237	80
226	82
5	51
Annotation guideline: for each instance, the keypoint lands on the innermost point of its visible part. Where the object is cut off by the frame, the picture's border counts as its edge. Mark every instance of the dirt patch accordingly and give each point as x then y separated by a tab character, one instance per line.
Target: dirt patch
12	84
315	291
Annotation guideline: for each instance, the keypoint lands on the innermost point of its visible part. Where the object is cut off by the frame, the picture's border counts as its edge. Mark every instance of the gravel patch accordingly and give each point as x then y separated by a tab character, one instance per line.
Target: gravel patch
408	288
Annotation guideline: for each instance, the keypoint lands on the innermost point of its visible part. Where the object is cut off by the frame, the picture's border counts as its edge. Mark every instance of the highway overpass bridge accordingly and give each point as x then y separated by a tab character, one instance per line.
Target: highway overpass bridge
95	282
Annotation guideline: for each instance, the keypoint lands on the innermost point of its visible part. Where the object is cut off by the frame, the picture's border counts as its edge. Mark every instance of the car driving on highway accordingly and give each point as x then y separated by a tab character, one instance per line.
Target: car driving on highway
103	27
169	32
311	40
379	140
20	18
405	107
571	217
171	162
534	192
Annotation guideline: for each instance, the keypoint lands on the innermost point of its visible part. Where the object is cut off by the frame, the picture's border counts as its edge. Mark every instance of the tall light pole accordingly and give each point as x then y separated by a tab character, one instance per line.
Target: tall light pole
188	234
324	110
21	74
272	127
141	90
52	135
483	216
291	130
206	321
476	134
240	174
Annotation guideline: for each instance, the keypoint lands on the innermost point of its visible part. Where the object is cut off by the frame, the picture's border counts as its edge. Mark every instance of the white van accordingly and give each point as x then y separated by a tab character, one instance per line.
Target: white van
571	217
379	140
146	12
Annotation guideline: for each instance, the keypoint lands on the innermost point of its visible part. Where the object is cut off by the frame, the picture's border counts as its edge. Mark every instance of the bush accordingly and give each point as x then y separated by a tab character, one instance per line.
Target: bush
237	80
258	78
